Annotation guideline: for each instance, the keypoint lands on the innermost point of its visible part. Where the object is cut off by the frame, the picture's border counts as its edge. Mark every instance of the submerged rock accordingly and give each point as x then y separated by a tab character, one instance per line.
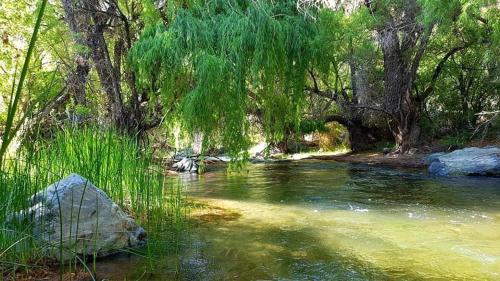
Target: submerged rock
75	214
468	161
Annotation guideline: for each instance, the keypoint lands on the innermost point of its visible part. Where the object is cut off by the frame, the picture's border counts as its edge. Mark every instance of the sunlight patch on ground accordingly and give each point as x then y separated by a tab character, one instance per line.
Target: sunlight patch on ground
303	155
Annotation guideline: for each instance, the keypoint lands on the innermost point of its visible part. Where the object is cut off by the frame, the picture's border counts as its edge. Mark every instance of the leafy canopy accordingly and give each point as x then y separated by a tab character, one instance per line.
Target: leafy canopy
219	60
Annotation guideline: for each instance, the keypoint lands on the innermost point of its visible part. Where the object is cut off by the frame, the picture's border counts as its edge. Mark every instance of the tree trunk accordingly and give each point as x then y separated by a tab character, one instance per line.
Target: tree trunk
77	79
89	20
105	70
361	137
402	107
403	42
87	23
406	132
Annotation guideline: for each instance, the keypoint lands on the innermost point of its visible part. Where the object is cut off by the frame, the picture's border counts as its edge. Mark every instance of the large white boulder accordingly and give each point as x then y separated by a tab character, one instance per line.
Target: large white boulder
467	161
82	218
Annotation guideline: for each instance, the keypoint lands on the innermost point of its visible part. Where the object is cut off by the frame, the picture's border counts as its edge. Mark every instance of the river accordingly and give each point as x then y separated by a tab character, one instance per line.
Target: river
320	220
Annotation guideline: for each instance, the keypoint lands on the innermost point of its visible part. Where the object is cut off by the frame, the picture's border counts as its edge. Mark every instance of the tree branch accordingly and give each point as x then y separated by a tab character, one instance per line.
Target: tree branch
420	53
439	69
337	118
326	94
313	77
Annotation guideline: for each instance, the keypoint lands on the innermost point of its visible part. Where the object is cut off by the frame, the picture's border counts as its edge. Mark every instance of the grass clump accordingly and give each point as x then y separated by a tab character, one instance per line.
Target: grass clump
113	162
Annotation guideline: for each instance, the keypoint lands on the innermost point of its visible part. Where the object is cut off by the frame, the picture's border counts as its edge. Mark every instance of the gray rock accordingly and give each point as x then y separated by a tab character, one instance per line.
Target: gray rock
82	218
468	161
186	165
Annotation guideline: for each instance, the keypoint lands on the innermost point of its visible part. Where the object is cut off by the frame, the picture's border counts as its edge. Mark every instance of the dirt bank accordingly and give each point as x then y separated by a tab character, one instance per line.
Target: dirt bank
415	161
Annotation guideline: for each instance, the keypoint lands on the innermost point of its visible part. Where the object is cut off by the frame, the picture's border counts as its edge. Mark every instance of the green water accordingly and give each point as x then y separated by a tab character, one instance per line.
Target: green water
330	221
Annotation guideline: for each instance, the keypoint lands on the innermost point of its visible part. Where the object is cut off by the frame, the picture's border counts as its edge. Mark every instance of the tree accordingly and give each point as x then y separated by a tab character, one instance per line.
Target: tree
220	61
346	76
400	67
469	81
89	21
404	29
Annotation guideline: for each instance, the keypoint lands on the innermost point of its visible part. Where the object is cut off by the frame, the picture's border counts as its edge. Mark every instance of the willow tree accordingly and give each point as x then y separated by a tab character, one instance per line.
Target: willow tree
220	62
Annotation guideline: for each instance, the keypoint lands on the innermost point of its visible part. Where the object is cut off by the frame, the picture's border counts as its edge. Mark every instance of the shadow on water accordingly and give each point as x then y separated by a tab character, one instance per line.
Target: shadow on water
392	188
270	253
250	252
260	253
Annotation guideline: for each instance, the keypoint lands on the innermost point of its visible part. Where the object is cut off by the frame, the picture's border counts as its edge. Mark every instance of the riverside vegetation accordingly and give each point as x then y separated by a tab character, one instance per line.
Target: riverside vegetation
108	160
107	88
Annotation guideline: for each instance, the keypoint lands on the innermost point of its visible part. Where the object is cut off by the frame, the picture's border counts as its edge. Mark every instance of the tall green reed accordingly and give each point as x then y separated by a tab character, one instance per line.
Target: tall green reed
113	162
10	130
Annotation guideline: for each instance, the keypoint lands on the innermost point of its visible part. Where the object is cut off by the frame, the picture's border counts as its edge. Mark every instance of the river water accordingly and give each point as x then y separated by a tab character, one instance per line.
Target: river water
318	220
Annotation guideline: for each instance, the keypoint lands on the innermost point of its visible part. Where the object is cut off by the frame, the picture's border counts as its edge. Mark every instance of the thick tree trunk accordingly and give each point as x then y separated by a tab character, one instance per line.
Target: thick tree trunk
395	73
87	23
362	137
403	42
406	133
77	79
399	74
405	126
105	70
404	110
89	20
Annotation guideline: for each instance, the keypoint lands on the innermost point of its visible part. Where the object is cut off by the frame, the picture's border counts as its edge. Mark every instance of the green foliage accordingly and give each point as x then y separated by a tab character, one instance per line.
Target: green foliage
343	39
442	12
219	67
219	62
11	129
43	78
311	126
469	83
452	142
221	59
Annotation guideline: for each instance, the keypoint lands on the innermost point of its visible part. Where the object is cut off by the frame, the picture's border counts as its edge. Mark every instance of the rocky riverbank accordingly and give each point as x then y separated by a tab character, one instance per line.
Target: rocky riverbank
468	161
